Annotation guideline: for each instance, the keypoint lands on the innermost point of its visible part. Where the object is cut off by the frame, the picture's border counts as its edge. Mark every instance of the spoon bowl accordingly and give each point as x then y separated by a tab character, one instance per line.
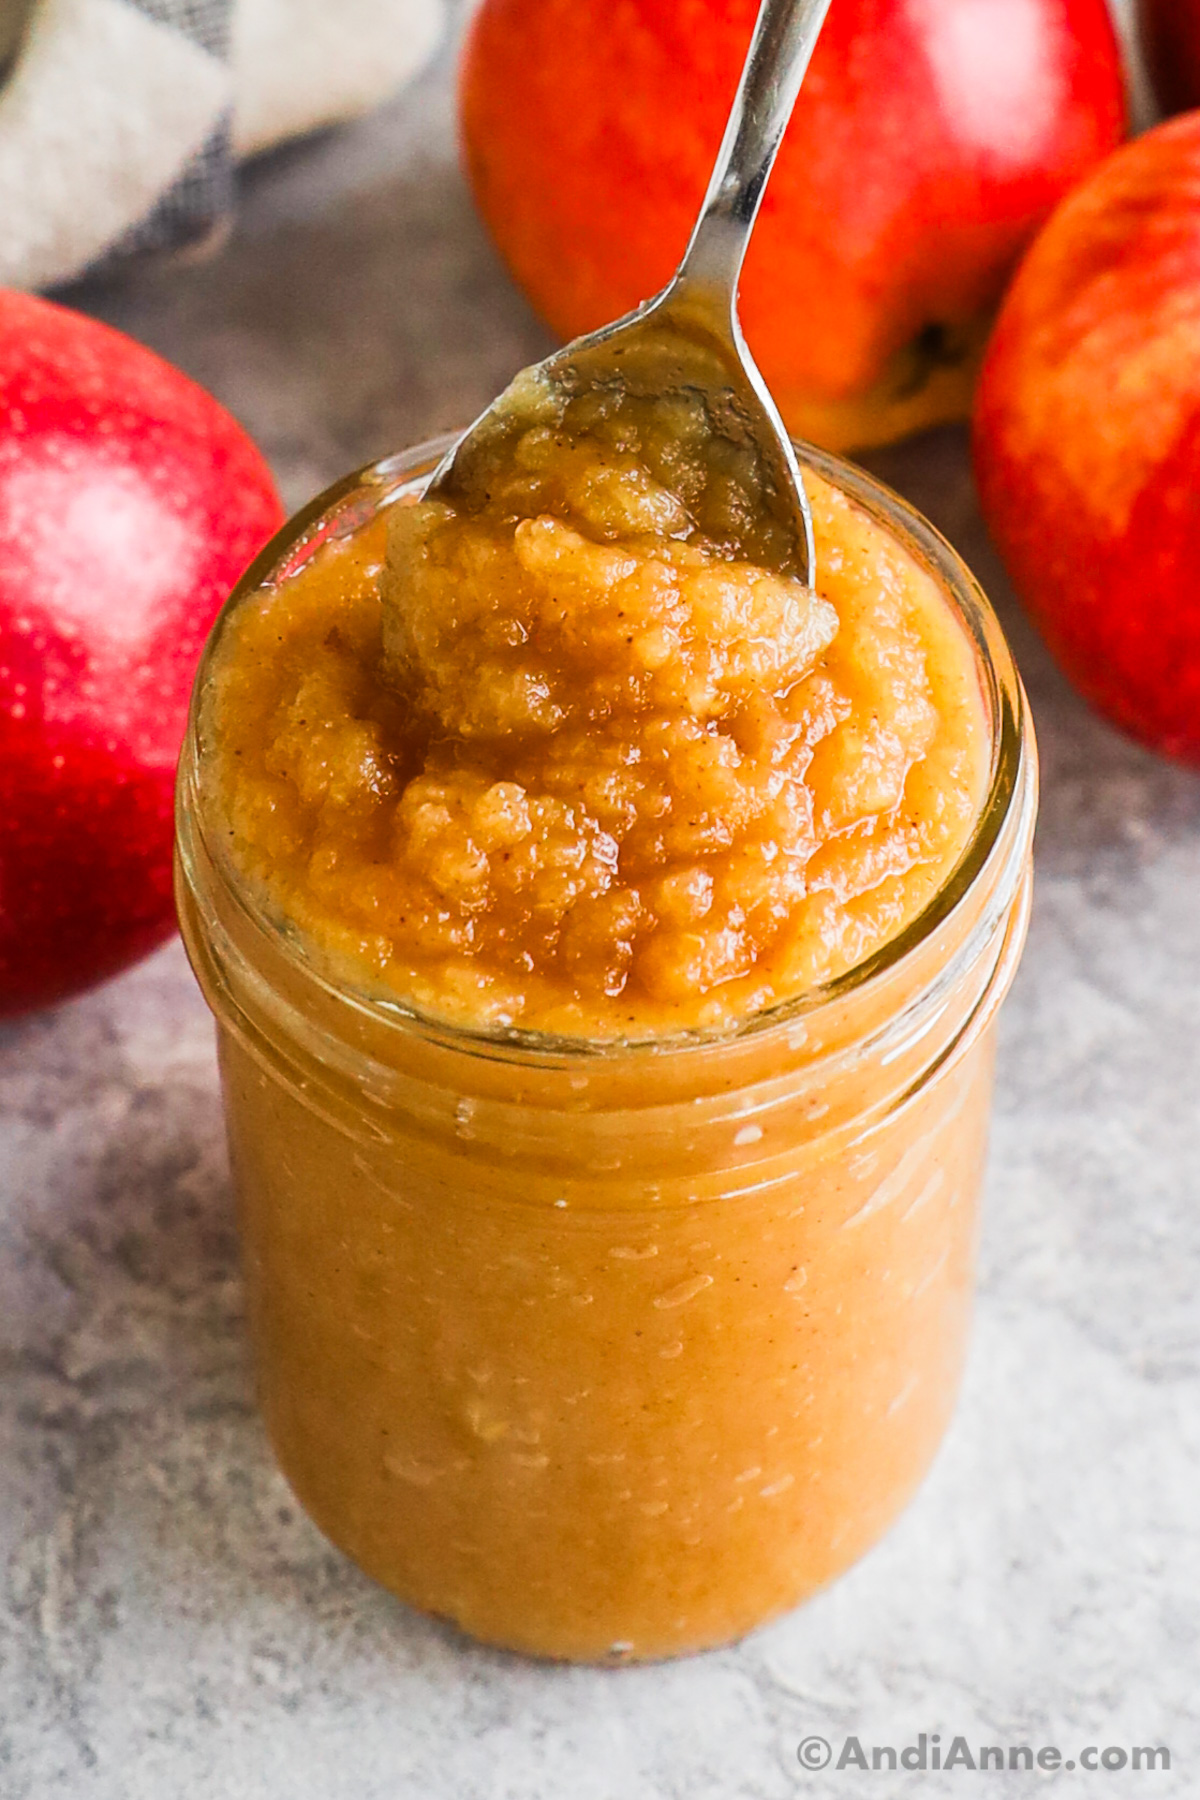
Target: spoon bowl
682	353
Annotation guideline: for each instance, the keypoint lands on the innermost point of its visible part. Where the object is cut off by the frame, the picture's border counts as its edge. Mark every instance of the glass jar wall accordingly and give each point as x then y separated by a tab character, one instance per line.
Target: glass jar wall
612	1351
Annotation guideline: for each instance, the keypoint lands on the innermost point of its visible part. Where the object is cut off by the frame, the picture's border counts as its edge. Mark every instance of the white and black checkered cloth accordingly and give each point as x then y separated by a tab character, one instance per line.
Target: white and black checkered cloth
199	200
121	121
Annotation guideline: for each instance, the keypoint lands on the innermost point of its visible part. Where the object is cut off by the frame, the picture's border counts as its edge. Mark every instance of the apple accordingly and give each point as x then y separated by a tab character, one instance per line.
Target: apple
1171	35
930	141
1087	437
130	501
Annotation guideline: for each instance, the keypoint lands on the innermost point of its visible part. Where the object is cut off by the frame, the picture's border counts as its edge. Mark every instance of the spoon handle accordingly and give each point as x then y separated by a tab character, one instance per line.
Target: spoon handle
785	35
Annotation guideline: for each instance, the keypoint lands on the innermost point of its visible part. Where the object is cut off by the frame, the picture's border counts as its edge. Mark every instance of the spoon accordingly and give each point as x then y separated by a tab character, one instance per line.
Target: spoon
687	341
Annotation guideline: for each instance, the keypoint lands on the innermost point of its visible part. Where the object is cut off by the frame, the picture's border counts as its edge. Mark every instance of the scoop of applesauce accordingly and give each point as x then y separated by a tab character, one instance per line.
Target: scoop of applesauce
556	760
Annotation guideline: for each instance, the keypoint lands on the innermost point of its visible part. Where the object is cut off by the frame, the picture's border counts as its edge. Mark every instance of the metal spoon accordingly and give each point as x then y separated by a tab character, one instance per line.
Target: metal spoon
688	338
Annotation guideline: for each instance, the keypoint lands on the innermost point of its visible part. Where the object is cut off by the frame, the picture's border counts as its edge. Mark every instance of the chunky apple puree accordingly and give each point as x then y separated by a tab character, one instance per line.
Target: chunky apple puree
560	761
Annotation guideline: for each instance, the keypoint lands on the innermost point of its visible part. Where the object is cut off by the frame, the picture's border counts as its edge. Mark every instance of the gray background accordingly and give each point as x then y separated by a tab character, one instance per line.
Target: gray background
171	1626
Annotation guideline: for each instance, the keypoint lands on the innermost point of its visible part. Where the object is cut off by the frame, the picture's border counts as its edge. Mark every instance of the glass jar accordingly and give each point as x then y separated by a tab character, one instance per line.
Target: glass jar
612	1351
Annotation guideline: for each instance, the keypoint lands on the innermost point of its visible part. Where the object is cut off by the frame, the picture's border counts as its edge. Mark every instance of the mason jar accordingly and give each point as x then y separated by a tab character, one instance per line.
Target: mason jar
611	1351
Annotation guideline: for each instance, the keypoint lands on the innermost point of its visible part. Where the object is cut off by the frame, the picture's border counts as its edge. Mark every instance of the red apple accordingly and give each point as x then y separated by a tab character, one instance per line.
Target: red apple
1171	35
1087	437
129	503
931	140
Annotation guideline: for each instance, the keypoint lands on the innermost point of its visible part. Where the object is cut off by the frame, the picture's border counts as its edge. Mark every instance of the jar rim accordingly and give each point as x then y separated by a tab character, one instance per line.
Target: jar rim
349	503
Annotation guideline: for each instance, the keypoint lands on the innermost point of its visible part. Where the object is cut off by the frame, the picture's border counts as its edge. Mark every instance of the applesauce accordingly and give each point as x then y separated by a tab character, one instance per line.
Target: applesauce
607	1104
561	759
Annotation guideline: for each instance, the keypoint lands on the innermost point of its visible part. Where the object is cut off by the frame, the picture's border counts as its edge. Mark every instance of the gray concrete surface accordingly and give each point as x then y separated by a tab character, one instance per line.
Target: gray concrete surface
171	1628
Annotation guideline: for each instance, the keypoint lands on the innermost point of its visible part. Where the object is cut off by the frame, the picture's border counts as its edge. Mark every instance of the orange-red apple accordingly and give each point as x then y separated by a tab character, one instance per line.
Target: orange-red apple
930	141
1087	437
